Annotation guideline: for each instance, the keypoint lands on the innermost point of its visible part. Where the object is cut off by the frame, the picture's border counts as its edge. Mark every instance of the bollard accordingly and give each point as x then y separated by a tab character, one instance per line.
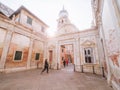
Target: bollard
82	68
103	72
93	69
50	65
74	67
57	66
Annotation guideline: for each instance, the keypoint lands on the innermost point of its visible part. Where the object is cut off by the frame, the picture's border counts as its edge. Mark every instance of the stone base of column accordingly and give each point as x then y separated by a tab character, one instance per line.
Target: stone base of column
77	68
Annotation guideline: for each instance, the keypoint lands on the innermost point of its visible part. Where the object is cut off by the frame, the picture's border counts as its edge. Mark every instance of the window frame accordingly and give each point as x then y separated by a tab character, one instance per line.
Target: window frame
29	20
15	60
36	56
88	54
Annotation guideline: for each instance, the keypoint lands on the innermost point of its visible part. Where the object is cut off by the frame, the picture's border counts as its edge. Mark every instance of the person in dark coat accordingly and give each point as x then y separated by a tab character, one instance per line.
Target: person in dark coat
64	63
46	65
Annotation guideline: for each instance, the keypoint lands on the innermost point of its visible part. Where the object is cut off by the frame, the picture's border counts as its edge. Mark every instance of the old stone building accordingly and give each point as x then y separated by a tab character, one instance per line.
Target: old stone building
24	43
107	20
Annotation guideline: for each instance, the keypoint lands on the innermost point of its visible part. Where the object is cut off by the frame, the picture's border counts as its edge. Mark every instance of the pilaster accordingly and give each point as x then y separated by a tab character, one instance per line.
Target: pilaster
57	55
30	53
99	51
77	54
77	51
5	48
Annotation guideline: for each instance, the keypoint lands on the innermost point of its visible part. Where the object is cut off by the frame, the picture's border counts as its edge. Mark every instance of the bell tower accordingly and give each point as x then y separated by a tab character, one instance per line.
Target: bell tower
64	26
63	18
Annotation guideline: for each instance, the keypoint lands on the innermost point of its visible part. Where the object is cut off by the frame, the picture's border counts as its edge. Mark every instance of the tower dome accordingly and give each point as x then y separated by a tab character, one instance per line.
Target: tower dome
63	13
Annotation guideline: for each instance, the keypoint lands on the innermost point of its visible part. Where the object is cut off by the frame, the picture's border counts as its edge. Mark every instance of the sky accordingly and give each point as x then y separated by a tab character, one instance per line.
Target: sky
80	13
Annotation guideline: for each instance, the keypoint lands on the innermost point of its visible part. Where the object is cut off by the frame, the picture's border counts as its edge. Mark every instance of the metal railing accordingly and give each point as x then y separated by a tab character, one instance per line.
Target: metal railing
91	66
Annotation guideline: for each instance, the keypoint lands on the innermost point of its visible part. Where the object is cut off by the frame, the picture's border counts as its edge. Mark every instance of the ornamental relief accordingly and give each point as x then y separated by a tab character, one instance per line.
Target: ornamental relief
51	47
88	43
87	40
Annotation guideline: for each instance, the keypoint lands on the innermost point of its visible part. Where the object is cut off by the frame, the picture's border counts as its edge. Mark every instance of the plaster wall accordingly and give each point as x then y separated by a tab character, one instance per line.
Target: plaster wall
110	28
2	38
18	43
37	48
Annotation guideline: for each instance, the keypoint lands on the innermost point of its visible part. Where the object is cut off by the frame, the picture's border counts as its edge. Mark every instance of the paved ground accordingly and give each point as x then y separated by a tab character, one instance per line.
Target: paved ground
64	79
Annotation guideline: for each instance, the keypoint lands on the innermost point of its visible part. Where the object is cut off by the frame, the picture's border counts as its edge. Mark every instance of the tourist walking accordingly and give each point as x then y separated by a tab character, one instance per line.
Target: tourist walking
67	62
46	66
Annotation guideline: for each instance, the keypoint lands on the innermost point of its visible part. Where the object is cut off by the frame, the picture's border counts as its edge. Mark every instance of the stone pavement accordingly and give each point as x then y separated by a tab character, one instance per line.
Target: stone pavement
64	79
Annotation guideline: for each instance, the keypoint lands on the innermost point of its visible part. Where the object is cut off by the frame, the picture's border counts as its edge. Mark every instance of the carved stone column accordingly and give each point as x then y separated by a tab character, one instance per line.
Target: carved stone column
106	55
30	53
5	49
99	49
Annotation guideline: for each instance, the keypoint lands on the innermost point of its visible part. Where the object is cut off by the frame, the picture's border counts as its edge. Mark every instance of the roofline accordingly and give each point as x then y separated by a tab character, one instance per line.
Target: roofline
4	15
22	7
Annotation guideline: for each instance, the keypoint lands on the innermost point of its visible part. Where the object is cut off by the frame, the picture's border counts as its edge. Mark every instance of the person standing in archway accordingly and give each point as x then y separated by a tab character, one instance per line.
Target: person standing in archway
64	63
67	62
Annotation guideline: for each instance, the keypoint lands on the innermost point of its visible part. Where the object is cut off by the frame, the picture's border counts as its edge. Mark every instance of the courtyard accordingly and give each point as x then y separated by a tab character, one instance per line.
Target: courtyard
64	79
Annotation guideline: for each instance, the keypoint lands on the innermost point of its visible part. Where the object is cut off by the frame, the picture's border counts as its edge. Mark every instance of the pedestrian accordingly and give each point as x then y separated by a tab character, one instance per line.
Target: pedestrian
46	65
67	62
64	63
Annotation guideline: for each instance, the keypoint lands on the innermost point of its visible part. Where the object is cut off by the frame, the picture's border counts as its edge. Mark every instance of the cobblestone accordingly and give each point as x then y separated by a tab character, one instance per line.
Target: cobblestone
64	79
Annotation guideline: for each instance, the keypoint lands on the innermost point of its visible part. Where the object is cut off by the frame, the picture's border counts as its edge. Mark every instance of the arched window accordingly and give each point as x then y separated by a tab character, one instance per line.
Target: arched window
88	51
85	52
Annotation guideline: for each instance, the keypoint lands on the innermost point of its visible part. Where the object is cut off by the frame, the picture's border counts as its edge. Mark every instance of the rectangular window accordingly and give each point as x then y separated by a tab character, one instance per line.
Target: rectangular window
37	56
88	55
18	55
29	20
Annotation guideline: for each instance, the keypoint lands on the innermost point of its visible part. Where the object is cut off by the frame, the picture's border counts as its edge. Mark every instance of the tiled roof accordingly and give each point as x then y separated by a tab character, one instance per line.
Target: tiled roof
5	10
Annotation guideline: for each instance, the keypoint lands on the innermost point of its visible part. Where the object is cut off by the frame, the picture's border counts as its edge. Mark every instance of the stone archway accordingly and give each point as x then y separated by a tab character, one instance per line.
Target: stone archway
66	54
67	42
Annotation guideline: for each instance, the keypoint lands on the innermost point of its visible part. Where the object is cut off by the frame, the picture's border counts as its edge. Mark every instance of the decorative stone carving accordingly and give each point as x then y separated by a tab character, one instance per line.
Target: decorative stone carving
88	43
99	18
51	47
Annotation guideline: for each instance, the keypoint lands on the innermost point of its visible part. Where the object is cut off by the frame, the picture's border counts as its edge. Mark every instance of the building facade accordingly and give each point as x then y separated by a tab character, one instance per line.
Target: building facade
107	19
22	42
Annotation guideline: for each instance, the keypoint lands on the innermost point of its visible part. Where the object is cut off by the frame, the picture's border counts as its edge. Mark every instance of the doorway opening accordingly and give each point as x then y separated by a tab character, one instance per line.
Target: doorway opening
67	56
50	57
